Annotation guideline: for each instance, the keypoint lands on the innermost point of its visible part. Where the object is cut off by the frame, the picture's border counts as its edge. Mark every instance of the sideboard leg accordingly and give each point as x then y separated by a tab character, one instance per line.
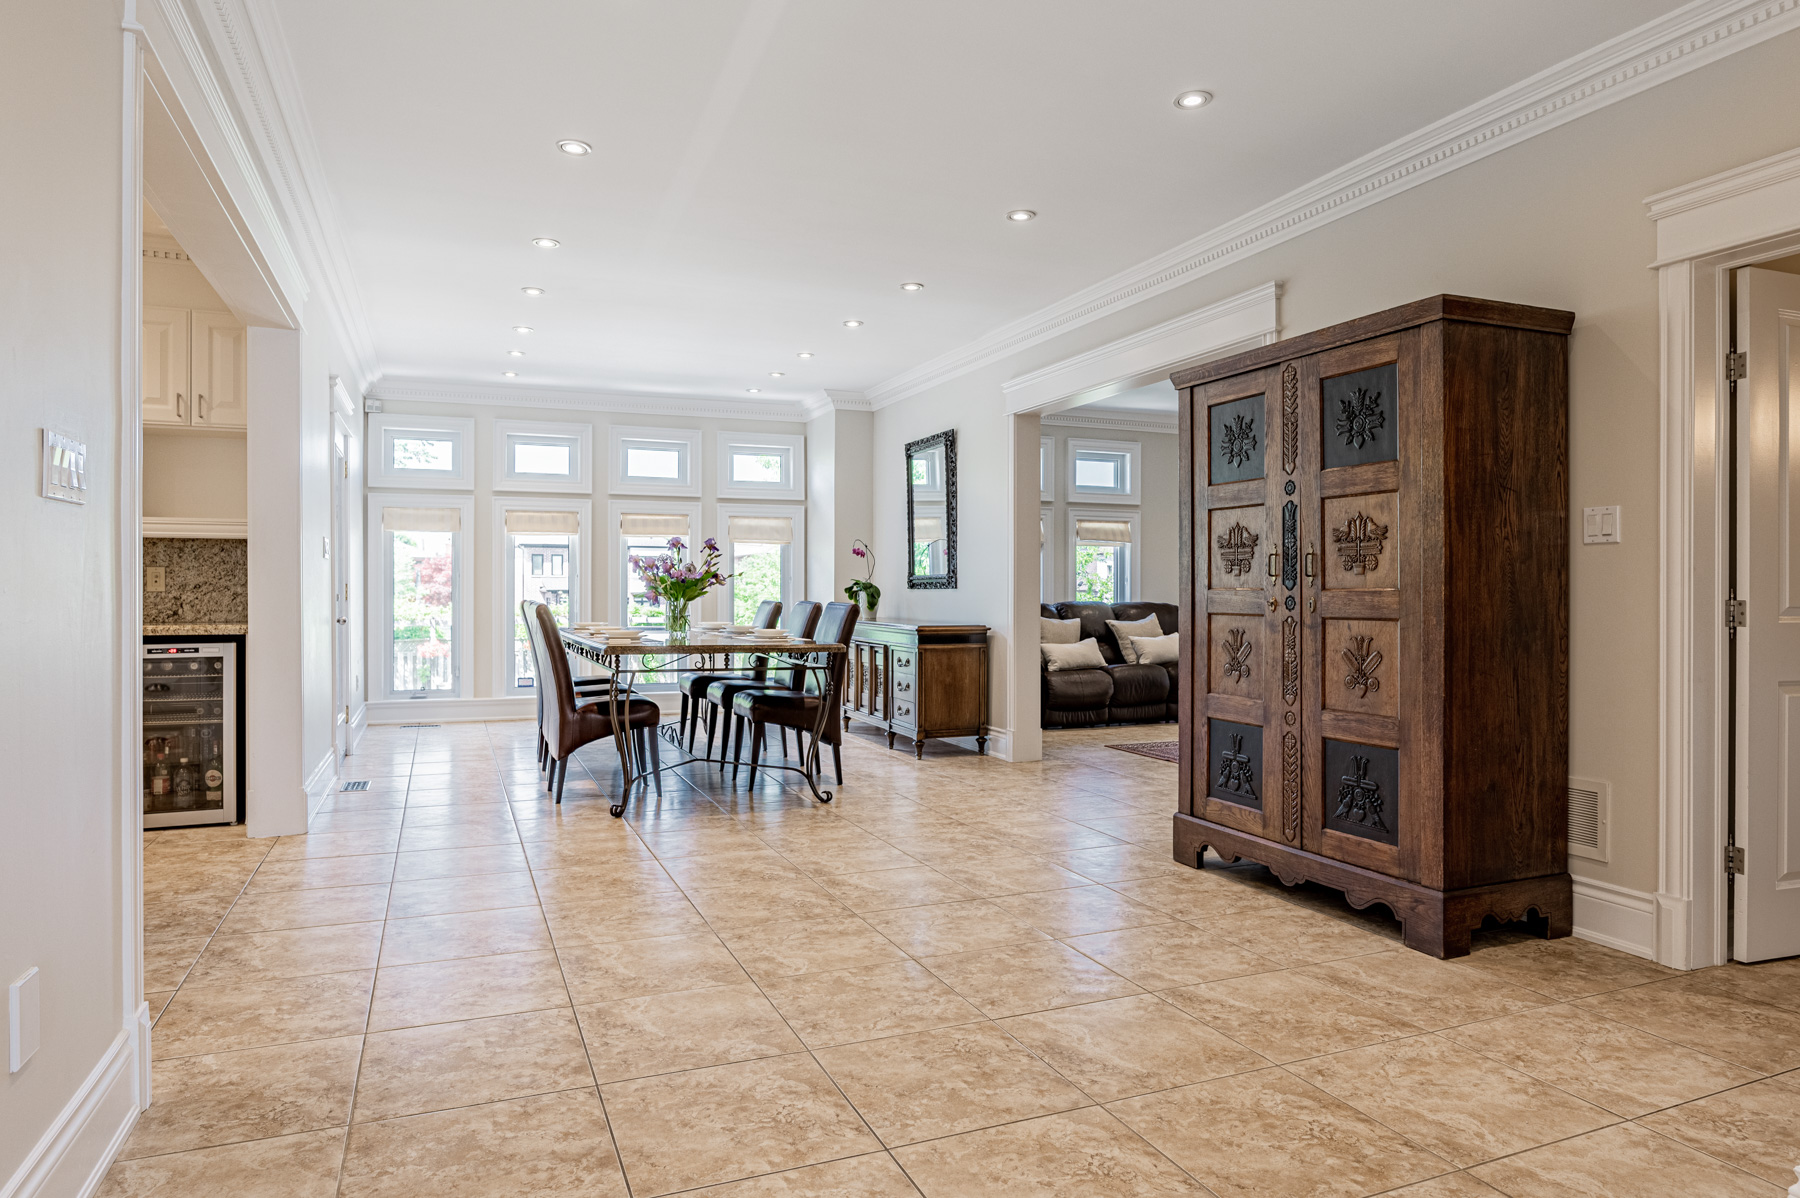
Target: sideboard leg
919	749
890	738
981	745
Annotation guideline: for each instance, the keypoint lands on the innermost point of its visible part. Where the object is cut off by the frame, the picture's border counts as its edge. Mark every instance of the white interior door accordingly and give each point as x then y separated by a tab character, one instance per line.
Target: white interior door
1766	896
340	592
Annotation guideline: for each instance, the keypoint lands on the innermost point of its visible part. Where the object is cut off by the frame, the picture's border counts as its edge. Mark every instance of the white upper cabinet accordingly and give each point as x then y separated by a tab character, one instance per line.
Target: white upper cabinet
166	391
194	372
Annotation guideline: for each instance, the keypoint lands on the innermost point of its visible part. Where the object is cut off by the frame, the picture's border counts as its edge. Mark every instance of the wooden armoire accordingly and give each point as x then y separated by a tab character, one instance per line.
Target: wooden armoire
1374	696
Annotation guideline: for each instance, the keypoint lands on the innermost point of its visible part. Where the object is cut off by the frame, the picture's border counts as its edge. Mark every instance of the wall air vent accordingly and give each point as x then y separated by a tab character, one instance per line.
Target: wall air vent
354	786
1590	810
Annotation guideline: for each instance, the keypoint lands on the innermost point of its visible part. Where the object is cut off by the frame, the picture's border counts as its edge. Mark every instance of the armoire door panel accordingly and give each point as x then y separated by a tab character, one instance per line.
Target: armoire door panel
1233	494
1360	480
1361	784
1235	775
1236	543
1237	441
1360	534
1361	667
1353	725
1237	602
1237	662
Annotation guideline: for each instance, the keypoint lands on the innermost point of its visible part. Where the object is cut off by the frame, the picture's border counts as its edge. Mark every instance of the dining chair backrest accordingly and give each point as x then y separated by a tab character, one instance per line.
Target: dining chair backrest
836	627
555	685
768	614
535	637
801	622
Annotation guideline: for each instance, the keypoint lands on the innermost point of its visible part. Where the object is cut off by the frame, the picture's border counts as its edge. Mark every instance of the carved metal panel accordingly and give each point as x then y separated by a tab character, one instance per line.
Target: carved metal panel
1290	418
1235	773
1237	438
1362	790
1290	544
1359	419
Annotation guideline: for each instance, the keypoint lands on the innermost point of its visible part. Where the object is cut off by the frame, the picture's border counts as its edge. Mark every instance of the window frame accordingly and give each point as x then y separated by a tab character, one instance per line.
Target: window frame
1047	469
794	585
618	573
380	642
503	681
621	437
1047	555
1131	451
459	431
791	445
579	438
1074	515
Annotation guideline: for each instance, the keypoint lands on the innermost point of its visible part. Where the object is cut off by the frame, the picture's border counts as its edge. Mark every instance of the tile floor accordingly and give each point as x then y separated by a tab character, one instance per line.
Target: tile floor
963	978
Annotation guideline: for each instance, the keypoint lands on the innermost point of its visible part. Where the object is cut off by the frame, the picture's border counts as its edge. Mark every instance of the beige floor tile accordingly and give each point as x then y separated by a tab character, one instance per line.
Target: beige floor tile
1625	1161
458	863
167	960
1287	1018
1567	968
1756	1127
679	1131
1198	896
446	1065
1016	873
1607	1063
1028	977
442	896
848	1005
300	1166
492	814
1450	1185
1123	863
1085	1153
952	928
1423	990
247	1094
552	1145
353	819
631	968
661	1033
1258	1134
335	844
1293	936
886	889
942	1082
625	916
1128	1046
1776	983
464	934
275	910
1463	1106
1750	1034
587	851
1163	955
754	863
788	947
1079	911
857	859
467	988
294	953
203	1019
458	836
872	1176
322	871
157	1000
634	875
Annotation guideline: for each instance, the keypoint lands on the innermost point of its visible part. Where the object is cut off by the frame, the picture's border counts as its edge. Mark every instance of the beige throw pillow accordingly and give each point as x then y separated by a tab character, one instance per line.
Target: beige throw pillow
1158	650
1082	655
1058	632
1125	630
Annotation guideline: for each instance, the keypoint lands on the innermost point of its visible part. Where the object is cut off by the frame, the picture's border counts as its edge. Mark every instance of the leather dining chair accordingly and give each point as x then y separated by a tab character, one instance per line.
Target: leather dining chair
797	707
801	621
693	683
584	687
569	724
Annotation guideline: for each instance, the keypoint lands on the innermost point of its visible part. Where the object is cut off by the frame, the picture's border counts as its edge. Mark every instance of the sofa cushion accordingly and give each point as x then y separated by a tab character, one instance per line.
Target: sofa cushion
1139	686
1167	614
1083	655
1093	617
1124	631
1078	690
1058	632
1157	650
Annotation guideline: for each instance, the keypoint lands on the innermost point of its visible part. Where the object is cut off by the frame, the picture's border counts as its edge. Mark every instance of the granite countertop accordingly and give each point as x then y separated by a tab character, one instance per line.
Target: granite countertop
196	629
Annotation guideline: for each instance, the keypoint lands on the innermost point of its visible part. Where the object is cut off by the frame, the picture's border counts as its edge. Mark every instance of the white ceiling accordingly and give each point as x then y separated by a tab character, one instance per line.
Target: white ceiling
766	169
1159	398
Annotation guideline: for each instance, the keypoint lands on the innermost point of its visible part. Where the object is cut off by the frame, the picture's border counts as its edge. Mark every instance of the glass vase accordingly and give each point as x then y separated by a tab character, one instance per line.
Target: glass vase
678	618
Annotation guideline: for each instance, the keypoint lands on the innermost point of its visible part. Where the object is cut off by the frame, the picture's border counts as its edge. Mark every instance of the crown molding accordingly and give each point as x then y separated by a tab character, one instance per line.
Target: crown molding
1142	422
821	402
164	249
451	391
1670	46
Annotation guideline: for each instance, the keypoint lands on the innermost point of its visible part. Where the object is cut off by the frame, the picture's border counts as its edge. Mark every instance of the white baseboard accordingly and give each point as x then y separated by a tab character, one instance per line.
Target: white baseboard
71	1159
450	711
321	782
1616	917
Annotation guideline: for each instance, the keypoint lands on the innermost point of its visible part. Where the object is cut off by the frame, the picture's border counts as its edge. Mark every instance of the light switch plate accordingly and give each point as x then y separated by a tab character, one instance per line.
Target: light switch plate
65	468
153	579
22	1020
1599	526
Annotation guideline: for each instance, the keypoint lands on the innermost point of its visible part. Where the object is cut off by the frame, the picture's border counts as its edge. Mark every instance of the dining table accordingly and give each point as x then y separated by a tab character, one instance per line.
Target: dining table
631	660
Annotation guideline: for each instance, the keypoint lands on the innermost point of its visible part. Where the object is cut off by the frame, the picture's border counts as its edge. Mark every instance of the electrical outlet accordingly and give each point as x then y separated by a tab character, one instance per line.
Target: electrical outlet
153	579
22	1019
1599	526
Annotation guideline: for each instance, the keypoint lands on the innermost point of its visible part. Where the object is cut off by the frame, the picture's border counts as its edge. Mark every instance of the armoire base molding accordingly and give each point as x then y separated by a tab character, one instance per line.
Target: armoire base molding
1438	922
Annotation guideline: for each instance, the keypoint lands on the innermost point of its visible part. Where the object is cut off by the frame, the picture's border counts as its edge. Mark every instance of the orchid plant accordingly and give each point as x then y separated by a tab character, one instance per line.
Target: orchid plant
864	589
674	579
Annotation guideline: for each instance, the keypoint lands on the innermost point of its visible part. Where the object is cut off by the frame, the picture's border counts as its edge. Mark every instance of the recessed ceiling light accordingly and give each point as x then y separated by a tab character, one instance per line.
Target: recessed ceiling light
912	286
803	354
1021	215
521	328
509	374
1194	99
853	324
775	374
532	291
545	243
576	148
754	390
515	353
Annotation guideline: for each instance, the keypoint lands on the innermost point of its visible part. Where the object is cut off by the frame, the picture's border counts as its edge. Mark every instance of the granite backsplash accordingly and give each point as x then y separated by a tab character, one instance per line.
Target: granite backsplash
206	580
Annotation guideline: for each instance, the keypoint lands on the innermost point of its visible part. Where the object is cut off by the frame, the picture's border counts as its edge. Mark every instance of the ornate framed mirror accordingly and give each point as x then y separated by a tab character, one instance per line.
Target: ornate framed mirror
931	513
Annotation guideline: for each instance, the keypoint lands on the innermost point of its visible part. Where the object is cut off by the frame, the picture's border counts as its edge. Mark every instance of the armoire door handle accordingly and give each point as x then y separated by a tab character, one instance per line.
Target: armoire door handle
1309	561
1274	565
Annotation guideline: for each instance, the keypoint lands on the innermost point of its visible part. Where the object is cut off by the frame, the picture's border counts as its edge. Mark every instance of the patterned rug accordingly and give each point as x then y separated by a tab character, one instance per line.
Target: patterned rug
1162	750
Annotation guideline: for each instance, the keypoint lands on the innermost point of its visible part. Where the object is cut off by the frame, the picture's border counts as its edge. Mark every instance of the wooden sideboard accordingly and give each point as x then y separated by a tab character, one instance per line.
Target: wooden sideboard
919	681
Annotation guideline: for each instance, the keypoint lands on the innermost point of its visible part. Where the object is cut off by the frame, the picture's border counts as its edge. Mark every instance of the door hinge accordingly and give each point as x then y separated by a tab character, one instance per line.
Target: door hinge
1737	614
1734	859
1737	366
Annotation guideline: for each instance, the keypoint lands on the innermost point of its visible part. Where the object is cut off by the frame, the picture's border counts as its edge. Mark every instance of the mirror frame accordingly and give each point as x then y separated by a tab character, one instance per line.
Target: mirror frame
947	580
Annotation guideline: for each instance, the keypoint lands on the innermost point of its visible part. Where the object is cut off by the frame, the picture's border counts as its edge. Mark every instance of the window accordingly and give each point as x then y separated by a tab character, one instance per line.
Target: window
1047	469
416	546
644	528
764	551
654	461
1101	549
762	466
538	557
1046	574
420	451
537	563
532	455
1104	471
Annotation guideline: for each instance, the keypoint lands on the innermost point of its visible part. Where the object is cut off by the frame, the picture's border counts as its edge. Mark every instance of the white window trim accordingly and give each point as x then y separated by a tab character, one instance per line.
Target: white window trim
1135	519
618	575
793	444
619	435
580	482
381	611
1047	555
580	590
1047	469
1134	452
461	433
796	589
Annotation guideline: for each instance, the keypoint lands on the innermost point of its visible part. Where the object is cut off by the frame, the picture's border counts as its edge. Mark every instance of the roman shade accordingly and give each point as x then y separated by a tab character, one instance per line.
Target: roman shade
421	519
653	524
552	523
1104	532
927	529
760	530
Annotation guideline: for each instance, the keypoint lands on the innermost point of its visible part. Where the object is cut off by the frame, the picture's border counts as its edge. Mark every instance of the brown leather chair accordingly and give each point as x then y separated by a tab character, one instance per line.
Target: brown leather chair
584	687
569	724
800	621
693	683
798	707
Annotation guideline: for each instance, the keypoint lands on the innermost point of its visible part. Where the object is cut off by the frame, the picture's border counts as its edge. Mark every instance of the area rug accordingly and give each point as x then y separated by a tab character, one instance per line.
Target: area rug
1162	750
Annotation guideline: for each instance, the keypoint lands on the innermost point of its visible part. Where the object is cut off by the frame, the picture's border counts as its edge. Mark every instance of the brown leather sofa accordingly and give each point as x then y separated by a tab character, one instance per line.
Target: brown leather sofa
1120	693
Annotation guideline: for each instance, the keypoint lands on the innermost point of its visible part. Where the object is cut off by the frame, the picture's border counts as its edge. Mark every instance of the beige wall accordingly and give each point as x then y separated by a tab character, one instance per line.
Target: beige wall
1159	519
1556	221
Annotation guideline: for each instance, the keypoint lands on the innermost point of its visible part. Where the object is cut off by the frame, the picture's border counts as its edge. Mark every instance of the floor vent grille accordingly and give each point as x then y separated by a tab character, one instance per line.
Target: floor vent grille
1590	809
355	786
